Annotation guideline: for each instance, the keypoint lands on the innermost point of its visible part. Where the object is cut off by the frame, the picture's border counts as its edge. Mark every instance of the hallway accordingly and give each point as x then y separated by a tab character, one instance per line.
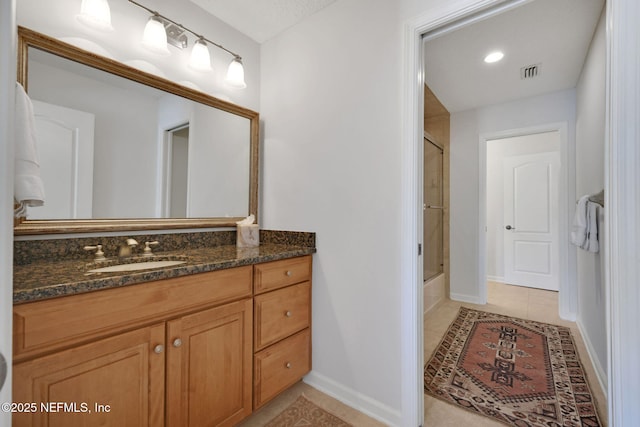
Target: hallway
528	303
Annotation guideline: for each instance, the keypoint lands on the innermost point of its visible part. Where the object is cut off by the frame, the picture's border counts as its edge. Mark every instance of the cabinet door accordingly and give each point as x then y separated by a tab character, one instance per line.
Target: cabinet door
118	381
209	371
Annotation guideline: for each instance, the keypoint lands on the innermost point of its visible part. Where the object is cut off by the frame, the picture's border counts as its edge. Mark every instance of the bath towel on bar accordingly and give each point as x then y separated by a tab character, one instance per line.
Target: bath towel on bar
579	231
28	189
585	225
592	244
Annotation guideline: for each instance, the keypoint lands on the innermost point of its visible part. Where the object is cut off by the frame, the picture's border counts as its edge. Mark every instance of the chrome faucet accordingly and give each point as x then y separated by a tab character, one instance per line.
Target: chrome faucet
127	249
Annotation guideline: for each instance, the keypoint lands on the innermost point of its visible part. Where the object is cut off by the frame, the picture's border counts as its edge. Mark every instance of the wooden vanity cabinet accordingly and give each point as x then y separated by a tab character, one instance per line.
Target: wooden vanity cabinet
198	350
188	367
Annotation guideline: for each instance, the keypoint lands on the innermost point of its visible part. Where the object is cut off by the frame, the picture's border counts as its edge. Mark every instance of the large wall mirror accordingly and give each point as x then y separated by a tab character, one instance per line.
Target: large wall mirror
122	149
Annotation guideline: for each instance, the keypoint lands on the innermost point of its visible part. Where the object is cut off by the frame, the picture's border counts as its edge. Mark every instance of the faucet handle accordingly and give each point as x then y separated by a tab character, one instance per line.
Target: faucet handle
147	248
99	254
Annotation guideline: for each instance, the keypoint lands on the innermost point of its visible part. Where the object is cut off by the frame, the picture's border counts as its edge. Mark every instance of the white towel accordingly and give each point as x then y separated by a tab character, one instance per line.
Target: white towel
592	244
28	189
580	224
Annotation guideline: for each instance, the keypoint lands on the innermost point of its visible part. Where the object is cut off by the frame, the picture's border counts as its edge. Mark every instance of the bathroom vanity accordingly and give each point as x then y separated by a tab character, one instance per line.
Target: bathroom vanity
199	334
204	348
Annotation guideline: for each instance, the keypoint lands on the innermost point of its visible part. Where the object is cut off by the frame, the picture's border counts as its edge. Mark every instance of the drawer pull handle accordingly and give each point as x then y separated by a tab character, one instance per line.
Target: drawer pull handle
158	349
288	273
288	365
177	342
288	314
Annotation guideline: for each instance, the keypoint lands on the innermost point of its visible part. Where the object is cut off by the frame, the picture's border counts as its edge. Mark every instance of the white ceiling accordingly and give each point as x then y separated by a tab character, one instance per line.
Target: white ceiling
553	33
262	19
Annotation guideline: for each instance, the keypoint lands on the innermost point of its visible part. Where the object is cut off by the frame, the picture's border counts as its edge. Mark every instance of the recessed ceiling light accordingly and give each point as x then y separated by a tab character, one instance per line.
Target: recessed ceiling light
493	57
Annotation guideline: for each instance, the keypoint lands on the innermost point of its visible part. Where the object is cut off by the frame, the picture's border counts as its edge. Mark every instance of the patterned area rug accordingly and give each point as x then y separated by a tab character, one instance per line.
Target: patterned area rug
519	372
303	413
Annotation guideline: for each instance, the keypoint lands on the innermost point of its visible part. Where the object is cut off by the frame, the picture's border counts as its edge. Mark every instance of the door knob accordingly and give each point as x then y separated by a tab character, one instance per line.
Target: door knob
508	227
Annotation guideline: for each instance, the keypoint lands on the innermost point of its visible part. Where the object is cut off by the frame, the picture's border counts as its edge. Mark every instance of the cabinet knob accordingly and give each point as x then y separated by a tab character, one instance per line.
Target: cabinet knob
288	273
177	342
288	365
288	314
158	349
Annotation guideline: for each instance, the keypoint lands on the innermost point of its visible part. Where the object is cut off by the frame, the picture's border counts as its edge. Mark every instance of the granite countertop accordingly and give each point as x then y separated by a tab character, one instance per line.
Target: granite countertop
47	279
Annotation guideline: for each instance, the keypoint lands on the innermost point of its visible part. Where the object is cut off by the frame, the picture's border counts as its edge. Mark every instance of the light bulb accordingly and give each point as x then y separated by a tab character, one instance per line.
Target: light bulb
200	59
235	74
154	37
95	14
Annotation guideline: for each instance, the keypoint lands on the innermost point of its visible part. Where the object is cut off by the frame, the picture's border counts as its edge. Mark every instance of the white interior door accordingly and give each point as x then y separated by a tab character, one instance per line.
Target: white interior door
65	149
531	238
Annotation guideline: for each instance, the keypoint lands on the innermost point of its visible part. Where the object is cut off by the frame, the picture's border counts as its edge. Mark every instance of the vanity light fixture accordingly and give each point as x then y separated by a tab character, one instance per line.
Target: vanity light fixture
493	57
173	33
95	14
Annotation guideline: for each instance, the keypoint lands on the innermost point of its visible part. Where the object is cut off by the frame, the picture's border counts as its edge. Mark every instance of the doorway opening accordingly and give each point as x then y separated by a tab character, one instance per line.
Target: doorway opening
176	192
473	118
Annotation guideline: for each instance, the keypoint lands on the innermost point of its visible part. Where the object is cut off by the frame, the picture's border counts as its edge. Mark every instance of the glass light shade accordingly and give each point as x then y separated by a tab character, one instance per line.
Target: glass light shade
200	59
154	37
95	14
235	74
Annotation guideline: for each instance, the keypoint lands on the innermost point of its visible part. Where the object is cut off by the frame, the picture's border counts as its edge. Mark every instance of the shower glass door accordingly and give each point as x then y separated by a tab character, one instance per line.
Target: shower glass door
433	210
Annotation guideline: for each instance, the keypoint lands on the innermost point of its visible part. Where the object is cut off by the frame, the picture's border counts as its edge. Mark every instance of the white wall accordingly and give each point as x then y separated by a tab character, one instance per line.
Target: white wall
7	89
590	150
466	129
497	150
57	19
330	104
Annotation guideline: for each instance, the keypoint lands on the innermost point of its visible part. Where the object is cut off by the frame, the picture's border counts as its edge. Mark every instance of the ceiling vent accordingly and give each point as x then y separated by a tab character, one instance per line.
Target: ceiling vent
530	71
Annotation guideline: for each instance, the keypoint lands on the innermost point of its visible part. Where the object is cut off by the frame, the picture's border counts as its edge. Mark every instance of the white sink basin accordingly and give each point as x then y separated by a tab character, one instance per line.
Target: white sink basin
134	266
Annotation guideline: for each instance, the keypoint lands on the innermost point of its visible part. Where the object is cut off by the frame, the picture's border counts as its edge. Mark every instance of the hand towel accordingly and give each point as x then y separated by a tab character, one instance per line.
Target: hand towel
579	231
28	189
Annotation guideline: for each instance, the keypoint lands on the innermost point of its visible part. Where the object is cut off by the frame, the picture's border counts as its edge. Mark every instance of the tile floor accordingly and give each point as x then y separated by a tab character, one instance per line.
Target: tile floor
528	303
534	304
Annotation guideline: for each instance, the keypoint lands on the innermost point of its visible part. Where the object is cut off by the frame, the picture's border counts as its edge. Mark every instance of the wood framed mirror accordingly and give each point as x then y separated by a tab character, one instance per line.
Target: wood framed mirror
185	160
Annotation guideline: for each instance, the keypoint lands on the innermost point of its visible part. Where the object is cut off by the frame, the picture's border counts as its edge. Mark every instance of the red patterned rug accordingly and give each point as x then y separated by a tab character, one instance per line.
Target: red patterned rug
304	413
519	372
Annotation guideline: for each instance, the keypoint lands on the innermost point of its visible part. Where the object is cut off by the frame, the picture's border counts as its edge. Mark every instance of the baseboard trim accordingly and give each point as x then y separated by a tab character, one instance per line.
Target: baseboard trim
597	366
499	279
471	299
354	399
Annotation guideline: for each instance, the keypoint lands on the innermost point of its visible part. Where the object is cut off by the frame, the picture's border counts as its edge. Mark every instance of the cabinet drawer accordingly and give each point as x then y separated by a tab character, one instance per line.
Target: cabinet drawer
278	274
281	313
279	366
52	324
